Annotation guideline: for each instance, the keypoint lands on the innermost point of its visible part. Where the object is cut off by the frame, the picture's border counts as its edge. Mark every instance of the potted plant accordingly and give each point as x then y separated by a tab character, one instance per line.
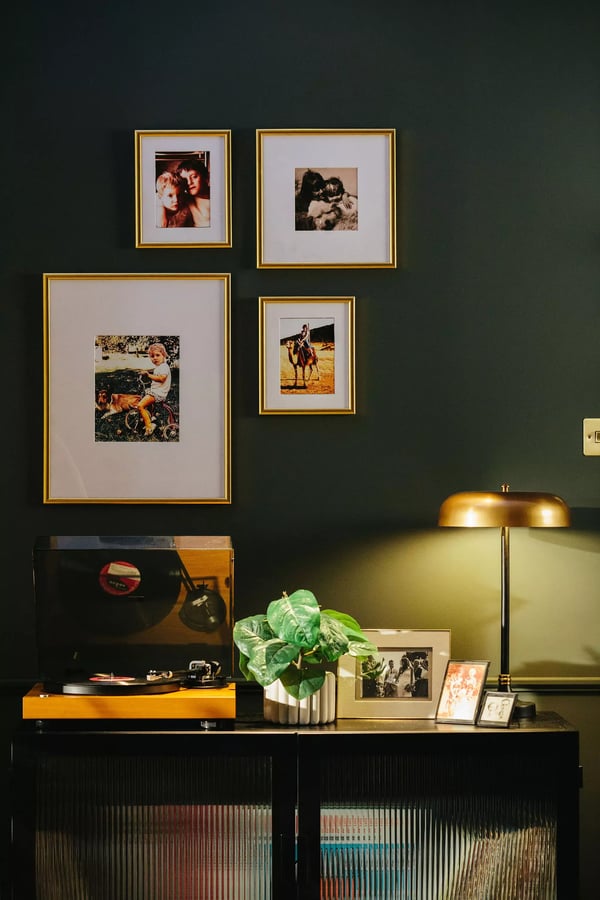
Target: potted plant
294	644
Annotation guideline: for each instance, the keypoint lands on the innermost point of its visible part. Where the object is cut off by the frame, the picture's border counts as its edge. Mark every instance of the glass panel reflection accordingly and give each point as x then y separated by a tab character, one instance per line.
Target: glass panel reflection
137	829
391	836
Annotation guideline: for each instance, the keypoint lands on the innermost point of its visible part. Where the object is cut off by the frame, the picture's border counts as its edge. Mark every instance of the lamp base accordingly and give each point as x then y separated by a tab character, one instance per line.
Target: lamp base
524	709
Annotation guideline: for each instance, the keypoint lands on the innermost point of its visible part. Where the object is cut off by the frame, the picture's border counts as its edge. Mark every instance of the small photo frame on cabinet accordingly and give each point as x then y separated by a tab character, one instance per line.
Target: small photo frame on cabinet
403	680
326	198
306	355
183	189
111	341
497	709
464	683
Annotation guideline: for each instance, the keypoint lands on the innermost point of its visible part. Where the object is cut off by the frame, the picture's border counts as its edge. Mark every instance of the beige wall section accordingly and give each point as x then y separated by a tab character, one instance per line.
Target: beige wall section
450	578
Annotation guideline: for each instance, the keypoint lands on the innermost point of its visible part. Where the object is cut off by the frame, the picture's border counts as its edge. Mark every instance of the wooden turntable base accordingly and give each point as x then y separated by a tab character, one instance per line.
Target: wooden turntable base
184	703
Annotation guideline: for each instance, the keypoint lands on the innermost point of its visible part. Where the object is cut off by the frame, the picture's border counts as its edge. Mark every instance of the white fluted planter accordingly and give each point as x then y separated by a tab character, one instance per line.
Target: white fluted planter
282	708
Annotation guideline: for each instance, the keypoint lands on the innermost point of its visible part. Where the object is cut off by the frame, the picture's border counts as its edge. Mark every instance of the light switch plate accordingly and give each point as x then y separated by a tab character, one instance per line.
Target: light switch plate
591	437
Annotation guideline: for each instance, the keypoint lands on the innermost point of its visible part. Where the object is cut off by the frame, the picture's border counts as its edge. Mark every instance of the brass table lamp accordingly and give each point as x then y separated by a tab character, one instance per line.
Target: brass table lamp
505	509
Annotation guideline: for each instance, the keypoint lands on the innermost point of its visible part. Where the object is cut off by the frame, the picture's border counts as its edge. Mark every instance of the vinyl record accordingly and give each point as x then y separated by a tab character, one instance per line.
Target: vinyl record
119	591
203	609
112	687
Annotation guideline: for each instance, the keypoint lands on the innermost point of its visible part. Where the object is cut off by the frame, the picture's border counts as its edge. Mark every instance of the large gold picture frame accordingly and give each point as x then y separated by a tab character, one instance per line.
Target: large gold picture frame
326	198
102	334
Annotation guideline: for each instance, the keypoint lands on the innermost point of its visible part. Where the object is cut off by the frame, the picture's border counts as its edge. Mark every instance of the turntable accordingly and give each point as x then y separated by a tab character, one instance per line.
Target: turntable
118	620
200	693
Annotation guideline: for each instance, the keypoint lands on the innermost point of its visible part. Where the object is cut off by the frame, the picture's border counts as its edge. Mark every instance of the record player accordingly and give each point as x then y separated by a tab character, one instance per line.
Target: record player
133	628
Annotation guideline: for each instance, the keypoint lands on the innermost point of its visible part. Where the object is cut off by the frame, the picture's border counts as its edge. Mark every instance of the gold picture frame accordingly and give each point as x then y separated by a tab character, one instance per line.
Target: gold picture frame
306	360
326	198
182	189
368	688
104	338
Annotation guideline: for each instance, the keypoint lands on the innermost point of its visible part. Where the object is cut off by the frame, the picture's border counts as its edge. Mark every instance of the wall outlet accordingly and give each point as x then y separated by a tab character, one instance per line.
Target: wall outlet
591	437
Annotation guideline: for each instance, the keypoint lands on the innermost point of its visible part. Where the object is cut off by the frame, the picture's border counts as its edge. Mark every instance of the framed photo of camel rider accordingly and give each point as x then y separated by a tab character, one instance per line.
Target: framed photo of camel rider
306	347
326	198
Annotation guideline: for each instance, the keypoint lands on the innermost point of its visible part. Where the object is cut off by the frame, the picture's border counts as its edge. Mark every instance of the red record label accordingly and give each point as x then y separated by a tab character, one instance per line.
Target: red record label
107	678
119	578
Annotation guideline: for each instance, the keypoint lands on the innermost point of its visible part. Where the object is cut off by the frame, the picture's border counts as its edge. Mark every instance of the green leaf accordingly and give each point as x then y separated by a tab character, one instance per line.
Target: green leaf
333	642
300	683
360	645
295	619
315	658
361	648
251	632
268	661
244	668
343	618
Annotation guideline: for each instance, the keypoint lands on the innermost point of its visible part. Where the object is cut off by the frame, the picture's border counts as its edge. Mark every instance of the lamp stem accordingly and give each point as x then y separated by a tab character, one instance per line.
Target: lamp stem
504	676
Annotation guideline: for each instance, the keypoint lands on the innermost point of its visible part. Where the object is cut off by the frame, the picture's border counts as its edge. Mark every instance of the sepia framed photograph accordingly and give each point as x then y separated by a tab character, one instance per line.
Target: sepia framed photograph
497	709
137	389
182	189
306	355
462	690
403	680
326	198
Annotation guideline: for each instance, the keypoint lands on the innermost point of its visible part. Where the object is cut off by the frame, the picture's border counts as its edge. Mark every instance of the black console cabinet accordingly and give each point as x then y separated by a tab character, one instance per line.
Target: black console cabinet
356	810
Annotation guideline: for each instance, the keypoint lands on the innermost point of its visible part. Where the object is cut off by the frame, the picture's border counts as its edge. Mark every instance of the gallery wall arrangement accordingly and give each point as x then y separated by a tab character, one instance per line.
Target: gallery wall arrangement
306	218
294	279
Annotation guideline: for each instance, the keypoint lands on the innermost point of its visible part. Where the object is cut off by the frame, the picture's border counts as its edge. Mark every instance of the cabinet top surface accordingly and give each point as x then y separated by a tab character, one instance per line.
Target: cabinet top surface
543	723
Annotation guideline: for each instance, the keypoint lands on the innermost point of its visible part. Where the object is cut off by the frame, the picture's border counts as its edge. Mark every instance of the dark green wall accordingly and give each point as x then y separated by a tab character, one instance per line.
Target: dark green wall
476	358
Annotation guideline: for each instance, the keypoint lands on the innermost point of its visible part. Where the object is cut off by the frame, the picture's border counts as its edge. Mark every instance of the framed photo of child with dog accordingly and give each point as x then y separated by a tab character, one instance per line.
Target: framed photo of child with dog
326	198
306	347
183	189
136	389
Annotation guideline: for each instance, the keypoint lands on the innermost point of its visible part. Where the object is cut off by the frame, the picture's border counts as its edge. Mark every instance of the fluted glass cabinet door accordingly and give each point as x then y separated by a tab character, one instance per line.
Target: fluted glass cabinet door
434	816
169	818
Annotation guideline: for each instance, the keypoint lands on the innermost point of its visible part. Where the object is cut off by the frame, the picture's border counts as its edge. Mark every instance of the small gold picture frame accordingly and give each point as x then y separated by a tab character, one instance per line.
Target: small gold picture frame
182	189
306	355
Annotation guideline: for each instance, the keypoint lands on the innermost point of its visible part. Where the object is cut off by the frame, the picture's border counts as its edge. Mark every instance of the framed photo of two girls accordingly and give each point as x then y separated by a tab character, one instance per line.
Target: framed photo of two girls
183	189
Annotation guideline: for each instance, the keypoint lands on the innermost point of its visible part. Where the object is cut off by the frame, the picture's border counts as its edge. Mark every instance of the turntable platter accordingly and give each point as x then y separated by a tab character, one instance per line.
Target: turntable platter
112	686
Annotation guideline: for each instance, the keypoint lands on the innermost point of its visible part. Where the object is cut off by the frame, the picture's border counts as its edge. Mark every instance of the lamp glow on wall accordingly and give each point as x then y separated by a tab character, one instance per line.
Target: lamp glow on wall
505	509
